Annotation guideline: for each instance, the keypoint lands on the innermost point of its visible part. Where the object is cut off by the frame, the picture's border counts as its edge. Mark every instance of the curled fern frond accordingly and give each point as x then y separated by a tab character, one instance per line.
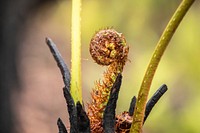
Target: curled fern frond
107	47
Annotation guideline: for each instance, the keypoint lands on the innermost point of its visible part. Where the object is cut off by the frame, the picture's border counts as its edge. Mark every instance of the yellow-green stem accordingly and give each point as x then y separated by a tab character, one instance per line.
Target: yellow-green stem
138	117
76	89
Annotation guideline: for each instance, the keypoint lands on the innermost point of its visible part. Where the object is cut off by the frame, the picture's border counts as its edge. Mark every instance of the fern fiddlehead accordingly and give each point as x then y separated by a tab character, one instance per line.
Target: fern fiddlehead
109	48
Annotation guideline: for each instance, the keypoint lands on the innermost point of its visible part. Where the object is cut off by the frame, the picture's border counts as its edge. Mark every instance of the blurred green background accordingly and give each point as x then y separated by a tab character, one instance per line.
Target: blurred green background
142	23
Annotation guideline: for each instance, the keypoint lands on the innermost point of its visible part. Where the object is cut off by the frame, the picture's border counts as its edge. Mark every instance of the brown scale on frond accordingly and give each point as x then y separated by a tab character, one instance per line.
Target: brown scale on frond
107	47
123	123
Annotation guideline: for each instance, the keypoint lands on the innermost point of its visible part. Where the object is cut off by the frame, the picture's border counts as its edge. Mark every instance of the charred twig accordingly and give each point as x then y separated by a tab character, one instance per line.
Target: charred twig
132	106
109	113
82	119
66	79
154	99
60	62
71	110
61	126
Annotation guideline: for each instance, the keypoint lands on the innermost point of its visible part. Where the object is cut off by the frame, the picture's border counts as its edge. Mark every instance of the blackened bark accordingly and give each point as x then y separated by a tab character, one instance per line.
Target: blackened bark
82	119
71	110
132	106
154	99
61	126
60	62
109	113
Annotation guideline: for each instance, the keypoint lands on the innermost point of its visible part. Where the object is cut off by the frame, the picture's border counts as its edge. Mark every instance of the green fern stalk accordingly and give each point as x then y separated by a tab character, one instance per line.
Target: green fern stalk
162	44
76	89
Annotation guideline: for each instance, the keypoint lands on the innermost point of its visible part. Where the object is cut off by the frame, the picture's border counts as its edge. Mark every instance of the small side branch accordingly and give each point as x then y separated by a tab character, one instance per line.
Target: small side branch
60	62
109	113
82	119
71	110
132	106
61	126
154	99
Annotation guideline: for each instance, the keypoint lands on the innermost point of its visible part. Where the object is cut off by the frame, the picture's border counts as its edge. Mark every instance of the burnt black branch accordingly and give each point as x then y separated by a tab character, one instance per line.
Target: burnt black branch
79	121
71	110
66	90
154	99
60	62
82	119
61	126
109	113
132	106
